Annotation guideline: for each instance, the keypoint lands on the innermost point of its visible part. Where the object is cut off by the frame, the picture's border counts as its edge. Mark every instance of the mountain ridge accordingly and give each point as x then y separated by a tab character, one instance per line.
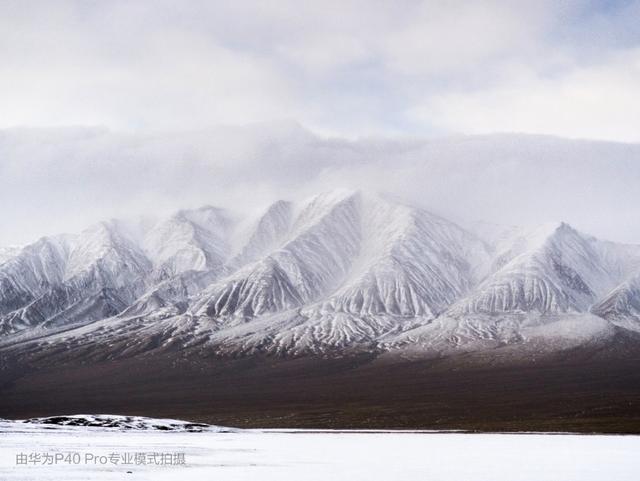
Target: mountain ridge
342	271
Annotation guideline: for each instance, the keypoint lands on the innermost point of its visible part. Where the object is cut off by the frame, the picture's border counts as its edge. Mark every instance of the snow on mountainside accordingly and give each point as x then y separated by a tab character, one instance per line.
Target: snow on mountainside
103	255
8	252
71	279
410	263
25	275
189	240
541	287
551	270
340	271
202	252
352	268
622	304
262	235
311	260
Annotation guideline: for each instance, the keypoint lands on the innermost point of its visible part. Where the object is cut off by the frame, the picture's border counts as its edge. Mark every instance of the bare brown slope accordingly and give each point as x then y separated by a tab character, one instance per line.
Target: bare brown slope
596	390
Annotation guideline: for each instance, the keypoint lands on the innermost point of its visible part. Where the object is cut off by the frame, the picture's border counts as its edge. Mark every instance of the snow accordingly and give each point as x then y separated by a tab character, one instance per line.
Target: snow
188	240
253	238
324	455
552	269
105	252
115	421
622	305
8	252
340	270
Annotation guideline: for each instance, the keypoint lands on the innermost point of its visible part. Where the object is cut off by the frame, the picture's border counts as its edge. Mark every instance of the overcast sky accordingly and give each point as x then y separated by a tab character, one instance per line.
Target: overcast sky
116	108
344	67
63	180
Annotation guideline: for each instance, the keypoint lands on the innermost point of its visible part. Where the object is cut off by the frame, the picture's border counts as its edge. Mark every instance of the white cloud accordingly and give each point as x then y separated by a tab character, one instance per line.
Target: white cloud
55	181
463	38
596	101
351	67
348	68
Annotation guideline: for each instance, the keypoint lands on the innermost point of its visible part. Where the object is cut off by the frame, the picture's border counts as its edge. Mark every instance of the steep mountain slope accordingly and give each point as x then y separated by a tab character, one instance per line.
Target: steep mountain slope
622	304
27	276
554	269
193	249
411	263
189	240
262	235
70	280
313	258
394	251
104	256
337	273
8	252
353	267
187	251
536	299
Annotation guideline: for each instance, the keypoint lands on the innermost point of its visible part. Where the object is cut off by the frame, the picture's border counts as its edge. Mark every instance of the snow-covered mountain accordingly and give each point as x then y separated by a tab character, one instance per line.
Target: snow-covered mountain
8	252
190	240
338	272
550	270
622	304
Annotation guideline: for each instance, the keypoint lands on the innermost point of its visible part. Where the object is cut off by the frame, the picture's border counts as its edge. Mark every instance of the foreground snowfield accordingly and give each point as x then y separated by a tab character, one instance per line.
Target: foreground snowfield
267	455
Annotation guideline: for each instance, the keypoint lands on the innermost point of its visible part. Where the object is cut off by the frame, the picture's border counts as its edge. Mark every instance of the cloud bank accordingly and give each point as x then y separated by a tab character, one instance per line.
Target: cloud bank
348	67
61	180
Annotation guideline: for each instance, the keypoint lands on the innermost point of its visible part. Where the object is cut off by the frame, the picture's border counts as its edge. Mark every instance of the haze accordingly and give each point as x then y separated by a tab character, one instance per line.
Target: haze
123	108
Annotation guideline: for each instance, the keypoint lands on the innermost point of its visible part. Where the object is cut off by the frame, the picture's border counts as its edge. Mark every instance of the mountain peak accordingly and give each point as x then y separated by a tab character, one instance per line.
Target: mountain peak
340	269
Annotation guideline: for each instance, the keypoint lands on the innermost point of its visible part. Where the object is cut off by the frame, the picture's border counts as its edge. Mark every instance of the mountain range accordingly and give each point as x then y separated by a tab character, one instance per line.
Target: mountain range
339	273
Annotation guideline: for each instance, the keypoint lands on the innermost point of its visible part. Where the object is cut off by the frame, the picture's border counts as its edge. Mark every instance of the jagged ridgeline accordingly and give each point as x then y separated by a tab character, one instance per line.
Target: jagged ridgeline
339	272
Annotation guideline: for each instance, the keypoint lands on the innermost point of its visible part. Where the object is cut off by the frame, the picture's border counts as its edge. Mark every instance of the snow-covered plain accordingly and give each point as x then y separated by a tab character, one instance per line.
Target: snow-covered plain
322	455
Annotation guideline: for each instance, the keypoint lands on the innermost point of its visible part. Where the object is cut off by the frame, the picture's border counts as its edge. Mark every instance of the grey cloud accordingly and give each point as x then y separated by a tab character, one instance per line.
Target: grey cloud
62	180
346	68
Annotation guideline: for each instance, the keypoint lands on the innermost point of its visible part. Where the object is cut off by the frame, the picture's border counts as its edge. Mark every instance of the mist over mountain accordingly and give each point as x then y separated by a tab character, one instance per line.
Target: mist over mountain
61	180
339	272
